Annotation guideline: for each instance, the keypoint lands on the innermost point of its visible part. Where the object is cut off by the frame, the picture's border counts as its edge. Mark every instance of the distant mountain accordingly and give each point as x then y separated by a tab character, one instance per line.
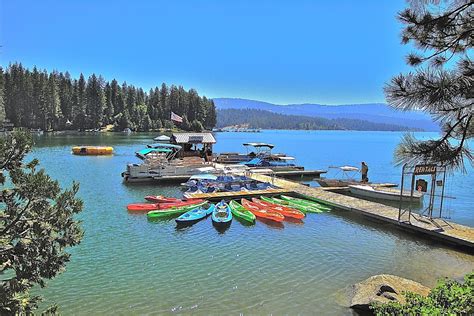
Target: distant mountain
372	112
253	118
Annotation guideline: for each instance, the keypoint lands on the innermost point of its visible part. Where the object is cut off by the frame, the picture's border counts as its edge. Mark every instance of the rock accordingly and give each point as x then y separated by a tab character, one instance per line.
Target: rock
382	288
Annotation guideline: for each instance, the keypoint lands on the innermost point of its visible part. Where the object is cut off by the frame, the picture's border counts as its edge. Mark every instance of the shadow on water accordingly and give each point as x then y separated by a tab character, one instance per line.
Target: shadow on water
294	221
393	230
243	222
221	228
271	224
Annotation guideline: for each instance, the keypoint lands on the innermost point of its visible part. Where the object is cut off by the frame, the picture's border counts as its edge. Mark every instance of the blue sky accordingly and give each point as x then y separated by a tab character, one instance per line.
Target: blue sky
329	52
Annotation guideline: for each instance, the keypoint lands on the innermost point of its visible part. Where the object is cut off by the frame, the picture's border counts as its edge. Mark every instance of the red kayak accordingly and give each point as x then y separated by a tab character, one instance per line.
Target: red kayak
263	212
145	207
142	207
285	211
161	199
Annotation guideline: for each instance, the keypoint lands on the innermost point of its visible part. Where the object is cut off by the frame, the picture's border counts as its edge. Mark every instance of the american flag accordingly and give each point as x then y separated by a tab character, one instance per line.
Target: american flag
175	117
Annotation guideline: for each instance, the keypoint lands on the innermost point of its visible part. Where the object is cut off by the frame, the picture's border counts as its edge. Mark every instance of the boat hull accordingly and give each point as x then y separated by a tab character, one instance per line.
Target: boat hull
240	212
369	192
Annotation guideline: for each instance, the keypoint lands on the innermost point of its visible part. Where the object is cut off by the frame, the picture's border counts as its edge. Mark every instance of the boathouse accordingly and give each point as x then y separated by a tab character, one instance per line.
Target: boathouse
194	144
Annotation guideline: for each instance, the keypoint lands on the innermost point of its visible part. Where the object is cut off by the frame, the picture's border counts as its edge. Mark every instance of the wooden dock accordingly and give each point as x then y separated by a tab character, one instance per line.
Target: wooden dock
217	196
438	229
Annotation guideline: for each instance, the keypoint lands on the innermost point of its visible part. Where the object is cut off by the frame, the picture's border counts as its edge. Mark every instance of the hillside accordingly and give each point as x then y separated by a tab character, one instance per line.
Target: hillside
269	120
374	112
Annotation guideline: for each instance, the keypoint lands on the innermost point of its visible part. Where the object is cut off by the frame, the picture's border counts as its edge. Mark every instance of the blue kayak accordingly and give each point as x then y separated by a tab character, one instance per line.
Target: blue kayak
222	215
195	215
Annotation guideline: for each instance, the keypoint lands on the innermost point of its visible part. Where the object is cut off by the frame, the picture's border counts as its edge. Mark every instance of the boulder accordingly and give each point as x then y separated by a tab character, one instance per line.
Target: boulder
382	288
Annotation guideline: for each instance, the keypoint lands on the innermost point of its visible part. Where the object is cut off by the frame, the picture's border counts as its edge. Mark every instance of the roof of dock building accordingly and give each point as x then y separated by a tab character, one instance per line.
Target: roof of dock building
193	138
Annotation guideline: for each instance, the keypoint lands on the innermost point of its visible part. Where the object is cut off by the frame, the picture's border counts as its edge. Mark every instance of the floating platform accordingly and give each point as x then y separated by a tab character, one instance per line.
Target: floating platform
299	173
437	229
217	196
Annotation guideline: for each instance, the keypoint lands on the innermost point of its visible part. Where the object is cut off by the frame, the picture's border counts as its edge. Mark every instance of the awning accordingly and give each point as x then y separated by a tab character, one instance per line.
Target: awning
194	138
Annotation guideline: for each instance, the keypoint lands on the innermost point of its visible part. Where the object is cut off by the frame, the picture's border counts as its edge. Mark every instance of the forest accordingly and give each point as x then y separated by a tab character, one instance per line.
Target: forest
270	120
55	101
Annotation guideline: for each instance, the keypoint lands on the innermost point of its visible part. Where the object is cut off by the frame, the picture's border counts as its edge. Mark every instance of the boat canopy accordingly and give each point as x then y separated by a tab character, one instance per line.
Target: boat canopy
161	145
259	145
205	176
349	168
147	151
162	138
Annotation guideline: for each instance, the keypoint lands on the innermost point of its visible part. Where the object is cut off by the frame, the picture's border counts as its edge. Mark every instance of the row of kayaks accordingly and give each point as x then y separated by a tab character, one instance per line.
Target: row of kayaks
194	210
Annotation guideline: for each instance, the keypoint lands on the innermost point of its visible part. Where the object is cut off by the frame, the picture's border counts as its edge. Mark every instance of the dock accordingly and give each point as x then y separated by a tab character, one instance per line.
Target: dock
437	229
299	173
217	196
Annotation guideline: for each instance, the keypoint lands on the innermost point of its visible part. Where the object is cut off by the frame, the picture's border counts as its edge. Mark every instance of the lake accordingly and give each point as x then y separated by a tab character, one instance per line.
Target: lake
128	265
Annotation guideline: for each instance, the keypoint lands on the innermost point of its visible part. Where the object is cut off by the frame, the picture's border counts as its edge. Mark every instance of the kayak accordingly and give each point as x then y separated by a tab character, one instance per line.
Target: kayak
173	210
142	207
195	215
303	208
145	207
221	215
284	210
306	202
240	212
163	206
161	199
260	211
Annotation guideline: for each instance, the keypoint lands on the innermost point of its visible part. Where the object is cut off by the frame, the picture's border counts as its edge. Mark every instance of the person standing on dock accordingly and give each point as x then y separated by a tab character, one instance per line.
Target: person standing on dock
364	171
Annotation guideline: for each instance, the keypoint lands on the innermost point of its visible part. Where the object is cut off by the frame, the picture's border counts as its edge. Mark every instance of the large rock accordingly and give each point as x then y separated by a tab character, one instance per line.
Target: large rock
382	288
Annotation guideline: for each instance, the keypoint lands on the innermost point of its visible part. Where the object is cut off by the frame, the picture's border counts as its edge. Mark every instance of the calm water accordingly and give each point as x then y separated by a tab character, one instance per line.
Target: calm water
126	264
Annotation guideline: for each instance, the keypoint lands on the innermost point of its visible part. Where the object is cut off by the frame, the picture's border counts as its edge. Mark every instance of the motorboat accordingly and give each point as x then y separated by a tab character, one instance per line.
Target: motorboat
347	177
382	193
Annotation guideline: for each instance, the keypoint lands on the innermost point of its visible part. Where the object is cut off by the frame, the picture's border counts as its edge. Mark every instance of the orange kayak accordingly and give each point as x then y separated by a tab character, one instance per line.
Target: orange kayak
285	211
263	212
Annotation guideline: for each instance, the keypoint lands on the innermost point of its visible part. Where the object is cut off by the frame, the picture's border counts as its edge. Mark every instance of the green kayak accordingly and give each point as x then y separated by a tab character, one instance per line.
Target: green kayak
300	207
240	212
173	211
306	203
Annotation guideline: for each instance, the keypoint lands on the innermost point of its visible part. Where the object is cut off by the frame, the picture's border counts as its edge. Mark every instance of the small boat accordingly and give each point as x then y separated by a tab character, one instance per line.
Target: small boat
385	193
92	150
241	212
179	203
303	208
142	207
195	215
161	199
145	207
221	215
173	211
284	210
262	212
306	203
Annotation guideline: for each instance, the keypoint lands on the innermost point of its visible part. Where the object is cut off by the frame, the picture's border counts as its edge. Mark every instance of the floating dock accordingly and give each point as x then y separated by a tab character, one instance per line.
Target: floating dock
438	229
217	196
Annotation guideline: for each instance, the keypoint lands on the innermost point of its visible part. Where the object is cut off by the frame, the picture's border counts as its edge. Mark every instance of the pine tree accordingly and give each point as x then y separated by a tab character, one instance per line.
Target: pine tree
53	114
109	106
79	104
37	225
442	83
95	102
2	93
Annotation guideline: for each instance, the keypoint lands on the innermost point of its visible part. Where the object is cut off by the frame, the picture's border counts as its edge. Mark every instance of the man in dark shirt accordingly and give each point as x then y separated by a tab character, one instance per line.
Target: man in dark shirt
364	171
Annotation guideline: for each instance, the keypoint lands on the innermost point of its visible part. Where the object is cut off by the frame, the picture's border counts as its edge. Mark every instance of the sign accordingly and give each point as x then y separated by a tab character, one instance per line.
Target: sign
197	139
424	169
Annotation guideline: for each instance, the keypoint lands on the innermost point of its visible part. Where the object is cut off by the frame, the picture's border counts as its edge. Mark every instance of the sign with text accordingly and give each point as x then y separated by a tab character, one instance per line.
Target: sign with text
424	169
197	139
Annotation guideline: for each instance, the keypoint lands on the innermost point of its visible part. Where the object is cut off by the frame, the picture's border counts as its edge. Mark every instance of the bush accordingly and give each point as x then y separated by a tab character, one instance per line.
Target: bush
449	297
